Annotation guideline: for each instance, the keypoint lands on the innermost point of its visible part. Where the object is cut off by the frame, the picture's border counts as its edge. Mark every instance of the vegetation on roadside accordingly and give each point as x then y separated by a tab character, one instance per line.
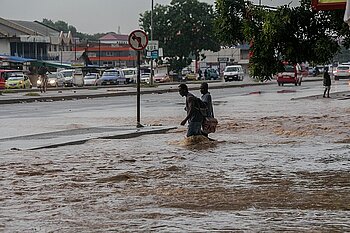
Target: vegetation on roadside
32	94
184	29
293	34
146	85
63	26
8	91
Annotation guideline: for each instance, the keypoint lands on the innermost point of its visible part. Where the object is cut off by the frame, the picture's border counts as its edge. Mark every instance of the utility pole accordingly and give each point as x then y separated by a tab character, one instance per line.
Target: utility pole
151	79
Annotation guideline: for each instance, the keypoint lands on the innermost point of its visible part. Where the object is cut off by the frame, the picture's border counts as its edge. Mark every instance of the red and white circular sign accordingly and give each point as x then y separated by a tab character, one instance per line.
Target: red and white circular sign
138	40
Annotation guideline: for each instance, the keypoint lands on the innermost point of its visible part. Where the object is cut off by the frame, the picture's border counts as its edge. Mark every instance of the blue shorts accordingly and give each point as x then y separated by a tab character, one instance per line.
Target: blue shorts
194	128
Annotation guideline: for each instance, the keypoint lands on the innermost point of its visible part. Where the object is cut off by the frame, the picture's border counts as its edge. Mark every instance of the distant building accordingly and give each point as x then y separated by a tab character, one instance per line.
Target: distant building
32	40
114	39
226	56
111	50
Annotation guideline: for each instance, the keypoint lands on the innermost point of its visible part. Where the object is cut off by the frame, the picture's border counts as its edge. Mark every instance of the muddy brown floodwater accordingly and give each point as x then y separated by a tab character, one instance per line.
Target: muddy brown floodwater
274	167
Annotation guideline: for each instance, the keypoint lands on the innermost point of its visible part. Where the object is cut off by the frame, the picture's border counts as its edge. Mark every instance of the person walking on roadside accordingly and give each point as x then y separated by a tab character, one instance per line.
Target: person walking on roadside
194	116
206	98
326	83
43	77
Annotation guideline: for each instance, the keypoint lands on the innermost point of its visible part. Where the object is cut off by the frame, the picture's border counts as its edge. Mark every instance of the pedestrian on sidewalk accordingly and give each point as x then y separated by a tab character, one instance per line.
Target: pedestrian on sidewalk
194	116
326	83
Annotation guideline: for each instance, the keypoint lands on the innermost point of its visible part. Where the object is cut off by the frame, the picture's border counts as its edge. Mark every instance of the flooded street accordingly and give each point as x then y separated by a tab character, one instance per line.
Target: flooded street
277	165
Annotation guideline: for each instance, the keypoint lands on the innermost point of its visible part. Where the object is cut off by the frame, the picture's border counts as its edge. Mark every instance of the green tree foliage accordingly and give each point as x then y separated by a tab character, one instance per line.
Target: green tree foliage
63	26
296	35
184	29
229	21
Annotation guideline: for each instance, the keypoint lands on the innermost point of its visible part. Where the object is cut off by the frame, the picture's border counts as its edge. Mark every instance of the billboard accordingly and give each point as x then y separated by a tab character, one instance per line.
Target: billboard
328	4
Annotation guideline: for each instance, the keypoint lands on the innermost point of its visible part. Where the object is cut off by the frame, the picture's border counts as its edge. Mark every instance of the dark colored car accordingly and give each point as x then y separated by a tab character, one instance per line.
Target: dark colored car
211	74
112	77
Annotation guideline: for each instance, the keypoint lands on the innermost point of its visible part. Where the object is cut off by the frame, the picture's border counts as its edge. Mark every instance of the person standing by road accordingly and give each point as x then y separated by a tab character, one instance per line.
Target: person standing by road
326	83
43	77
194	117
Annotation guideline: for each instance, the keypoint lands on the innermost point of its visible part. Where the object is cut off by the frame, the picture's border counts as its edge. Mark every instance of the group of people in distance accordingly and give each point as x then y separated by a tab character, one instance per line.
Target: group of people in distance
195	117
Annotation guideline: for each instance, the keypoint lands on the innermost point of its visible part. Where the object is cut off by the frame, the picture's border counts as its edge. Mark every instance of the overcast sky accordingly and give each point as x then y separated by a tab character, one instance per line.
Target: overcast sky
92	16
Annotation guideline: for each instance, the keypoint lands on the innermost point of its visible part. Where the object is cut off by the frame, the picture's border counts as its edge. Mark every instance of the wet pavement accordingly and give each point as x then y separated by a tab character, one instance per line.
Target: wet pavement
280	162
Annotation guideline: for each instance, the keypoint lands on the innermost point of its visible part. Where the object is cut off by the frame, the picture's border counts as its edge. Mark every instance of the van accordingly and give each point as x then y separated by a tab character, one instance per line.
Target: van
130	74
233	73
290	74
73	77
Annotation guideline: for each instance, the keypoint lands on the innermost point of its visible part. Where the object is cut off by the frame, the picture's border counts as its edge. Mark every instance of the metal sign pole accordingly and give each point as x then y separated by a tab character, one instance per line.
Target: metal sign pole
138	90
138	41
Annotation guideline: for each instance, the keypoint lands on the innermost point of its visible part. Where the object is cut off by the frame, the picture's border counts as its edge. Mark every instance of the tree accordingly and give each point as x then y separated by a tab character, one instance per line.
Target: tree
63	26
184	29
295	35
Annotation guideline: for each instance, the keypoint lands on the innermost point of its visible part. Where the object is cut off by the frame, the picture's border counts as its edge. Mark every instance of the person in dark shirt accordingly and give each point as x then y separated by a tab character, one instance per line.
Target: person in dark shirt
194	116
43	77
326	83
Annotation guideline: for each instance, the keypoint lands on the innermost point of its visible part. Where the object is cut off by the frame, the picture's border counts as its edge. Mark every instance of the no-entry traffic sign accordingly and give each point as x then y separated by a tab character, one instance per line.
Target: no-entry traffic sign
138	40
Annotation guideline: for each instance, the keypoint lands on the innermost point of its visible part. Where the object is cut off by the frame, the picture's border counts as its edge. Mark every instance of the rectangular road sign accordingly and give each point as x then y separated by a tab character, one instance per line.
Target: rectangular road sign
152	45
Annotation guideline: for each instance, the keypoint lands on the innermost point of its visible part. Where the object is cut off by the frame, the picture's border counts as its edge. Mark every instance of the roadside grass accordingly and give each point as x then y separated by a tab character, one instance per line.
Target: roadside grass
8	91
147	85
32	94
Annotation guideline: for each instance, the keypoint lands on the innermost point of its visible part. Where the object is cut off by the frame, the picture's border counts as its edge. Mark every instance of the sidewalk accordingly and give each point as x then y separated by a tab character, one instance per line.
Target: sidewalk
77	136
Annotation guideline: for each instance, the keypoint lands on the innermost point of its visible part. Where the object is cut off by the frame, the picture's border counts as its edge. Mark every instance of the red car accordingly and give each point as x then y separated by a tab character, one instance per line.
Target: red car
291	74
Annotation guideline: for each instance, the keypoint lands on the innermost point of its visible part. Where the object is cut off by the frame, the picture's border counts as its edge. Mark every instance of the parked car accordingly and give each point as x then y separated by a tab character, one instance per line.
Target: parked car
2	83
55	79
233	73
112	77
342	71
145	74
68	77
130	75
211	74
5	74
18	81
161	78
145	78
72	77
91	79
290	74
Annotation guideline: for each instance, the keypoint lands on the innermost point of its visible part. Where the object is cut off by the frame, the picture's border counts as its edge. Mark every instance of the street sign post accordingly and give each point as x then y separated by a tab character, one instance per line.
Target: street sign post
138	41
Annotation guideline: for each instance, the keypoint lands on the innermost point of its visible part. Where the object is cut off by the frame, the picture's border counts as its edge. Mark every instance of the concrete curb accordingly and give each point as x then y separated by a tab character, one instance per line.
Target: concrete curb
29	99
173	88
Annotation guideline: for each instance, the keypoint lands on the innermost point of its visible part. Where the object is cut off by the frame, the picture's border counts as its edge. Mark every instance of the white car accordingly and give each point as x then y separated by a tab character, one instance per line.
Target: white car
342	71
233	73
145	78
91	79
